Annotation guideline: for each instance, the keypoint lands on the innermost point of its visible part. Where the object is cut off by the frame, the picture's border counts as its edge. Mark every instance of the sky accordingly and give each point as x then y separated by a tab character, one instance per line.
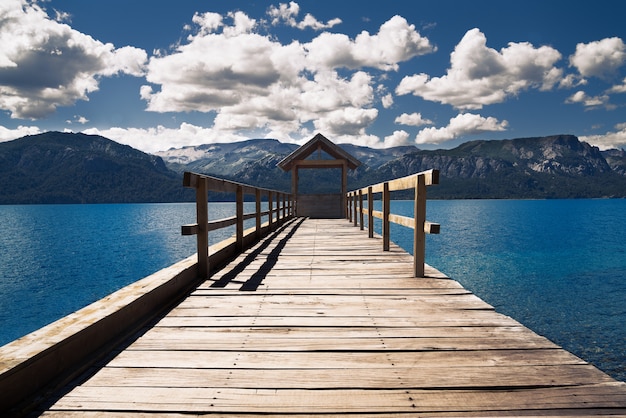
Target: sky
162	74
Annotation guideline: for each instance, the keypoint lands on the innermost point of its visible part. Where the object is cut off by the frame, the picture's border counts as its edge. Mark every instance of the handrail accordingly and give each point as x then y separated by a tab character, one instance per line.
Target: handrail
418	182
204	184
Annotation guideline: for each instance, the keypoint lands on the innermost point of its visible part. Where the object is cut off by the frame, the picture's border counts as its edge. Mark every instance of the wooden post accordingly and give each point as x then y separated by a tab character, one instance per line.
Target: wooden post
349	206
202	219
239	214
270	208
419	237
290	205
386	210
344	184
294	187
278	209
257	195
361	208
354	201
370	212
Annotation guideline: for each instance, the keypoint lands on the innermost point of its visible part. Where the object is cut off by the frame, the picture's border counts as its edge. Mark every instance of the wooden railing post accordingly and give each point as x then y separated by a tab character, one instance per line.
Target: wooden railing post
257	198
386	210
361	208
355	207
277	209
239	214
202	220
370	212
270	205
419	237
349	206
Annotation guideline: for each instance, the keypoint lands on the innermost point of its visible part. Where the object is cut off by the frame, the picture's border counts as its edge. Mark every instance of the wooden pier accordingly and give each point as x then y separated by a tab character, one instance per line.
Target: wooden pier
298	316
318	320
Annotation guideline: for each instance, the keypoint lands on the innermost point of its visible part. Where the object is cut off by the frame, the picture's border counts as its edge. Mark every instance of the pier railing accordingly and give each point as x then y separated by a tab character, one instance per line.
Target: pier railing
418	182
280	208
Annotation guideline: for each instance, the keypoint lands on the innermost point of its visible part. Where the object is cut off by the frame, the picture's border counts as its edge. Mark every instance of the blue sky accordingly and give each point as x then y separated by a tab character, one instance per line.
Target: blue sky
163	74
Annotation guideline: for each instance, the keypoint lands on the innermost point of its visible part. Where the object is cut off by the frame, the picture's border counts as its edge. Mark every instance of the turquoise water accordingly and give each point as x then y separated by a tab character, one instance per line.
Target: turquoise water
558	266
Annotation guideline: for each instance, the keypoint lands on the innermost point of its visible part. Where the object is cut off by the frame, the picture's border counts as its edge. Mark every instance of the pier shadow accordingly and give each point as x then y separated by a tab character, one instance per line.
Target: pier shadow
253	283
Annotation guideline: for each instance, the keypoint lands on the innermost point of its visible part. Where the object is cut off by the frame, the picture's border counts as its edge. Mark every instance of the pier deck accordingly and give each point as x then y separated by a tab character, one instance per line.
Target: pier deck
318	320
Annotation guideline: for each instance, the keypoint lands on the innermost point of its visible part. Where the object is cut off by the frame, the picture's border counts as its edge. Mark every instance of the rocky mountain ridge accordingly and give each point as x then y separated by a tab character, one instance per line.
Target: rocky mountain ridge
59	167
56	167
558	166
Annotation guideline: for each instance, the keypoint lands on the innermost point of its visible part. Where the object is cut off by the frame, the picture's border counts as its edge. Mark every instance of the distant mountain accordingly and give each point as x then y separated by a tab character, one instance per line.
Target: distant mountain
558	166
57	167
76	168
255	162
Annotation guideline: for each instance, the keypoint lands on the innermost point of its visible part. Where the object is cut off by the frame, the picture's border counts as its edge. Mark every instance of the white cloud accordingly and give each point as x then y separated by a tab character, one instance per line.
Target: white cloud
599	58
609	140
387	100
45	64
161	138
619	88
570	81
395	42
208	22
413	119
480	76
287	13
253	82
462	124
589	101
7	134
397	139
346	121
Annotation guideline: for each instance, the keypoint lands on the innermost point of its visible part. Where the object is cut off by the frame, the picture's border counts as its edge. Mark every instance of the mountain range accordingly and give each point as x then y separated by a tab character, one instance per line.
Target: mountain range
56	167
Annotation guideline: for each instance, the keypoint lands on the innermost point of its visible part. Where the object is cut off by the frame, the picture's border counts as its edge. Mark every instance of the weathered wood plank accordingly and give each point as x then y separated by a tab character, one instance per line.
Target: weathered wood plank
207	400
321	378
190	359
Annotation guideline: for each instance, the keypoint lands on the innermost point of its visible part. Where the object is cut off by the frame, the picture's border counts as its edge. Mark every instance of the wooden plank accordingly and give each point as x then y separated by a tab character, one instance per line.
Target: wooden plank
208	400
364	377
189	359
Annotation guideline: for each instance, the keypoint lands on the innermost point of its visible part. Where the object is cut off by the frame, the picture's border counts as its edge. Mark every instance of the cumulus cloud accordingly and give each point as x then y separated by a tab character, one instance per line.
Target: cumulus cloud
479	75
589	101
609	140
620	88
346	121
599	58
387	100
31	41
161	138
462	124
252	81
287	13
7	134
395	42
413	119
397	139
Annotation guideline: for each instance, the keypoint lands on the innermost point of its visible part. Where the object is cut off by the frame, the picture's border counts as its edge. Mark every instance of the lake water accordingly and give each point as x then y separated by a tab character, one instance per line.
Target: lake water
557	266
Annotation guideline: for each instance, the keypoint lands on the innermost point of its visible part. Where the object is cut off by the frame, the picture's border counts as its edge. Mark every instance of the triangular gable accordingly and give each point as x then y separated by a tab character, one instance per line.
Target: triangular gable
317	142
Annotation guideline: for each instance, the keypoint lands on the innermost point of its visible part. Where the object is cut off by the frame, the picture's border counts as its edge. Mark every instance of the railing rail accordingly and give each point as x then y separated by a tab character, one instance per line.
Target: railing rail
419	181
276	215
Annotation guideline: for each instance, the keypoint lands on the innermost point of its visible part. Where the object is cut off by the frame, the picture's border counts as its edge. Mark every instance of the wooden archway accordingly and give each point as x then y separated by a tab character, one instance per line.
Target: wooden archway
326	205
